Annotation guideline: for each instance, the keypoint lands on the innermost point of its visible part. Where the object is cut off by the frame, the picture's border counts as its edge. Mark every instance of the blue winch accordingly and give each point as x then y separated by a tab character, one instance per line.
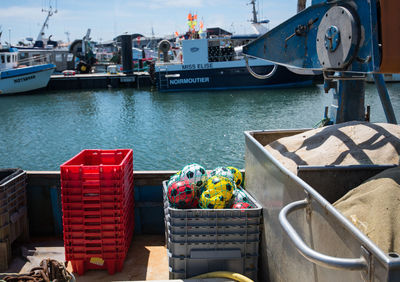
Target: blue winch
346	40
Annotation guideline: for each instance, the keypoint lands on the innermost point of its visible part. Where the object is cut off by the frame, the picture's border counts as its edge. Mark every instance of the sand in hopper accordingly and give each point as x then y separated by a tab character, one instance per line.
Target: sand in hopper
374	208
350	143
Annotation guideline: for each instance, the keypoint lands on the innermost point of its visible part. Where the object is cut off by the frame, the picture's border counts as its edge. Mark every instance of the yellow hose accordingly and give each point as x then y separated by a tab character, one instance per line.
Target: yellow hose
224	274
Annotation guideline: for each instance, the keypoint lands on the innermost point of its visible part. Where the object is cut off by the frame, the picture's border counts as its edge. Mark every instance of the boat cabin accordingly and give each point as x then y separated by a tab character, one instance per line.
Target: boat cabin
203	51
8	58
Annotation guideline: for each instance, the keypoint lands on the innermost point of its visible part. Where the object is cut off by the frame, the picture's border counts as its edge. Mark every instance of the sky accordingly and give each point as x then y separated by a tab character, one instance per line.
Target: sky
109	18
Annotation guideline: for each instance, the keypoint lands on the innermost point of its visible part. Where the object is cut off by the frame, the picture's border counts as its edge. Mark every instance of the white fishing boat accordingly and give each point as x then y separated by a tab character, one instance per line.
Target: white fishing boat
19	79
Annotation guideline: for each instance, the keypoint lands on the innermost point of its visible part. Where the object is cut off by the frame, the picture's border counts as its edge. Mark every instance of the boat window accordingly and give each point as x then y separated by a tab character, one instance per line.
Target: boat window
8	58
3	60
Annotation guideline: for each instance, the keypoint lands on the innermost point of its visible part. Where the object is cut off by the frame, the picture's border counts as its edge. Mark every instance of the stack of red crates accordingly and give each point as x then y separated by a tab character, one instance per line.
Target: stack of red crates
98	209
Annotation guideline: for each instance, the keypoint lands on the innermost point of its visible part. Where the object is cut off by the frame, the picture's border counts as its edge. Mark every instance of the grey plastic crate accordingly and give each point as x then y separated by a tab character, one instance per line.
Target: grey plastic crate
205	240
211	213
216	229
219	238
184	249
208	221
204	261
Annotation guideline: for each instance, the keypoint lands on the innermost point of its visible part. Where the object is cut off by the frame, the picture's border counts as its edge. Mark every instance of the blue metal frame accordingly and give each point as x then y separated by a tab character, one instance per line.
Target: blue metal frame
385	99
293	43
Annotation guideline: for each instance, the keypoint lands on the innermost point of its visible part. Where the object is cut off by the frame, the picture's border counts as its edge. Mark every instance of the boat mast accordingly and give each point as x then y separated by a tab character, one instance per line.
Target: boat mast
253	2
259	26
301	5
45	24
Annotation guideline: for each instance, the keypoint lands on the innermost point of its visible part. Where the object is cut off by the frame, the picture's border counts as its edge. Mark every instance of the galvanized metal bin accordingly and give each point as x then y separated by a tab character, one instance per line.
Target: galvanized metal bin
304	238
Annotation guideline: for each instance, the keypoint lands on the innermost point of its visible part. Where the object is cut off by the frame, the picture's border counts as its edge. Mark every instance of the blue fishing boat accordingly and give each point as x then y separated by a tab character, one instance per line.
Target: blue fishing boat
214	64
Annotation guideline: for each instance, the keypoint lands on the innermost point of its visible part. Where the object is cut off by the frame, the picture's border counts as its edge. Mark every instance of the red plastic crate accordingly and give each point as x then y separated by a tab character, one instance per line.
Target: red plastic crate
98	228
96	209
105	230
88	234
95	243
81	243
94	220
111	252
98	165
94	224
105	253
94	205
96	197
105	248
88	192
112	266
99	184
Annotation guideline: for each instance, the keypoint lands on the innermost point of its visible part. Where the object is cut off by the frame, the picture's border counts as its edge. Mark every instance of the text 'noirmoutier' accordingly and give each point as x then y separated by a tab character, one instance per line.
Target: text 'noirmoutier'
189	80
18	80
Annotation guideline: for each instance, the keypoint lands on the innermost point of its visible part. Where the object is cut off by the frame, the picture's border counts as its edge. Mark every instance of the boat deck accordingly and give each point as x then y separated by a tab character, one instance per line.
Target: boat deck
146	260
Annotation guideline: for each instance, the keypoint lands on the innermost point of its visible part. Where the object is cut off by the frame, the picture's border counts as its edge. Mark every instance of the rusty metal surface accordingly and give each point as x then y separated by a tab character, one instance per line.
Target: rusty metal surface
390	31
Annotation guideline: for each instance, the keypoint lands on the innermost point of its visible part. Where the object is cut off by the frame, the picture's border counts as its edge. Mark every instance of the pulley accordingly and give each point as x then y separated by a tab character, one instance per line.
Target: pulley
338	38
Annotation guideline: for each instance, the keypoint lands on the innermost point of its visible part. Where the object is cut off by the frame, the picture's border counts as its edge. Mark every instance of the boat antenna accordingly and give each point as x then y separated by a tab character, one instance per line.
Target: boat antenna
150	43
67	33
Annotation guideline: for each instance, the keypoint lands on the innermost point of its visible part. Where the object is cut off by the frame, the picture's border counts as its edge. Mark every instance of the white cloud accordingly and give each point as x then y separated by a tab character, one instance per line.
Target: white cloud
17	12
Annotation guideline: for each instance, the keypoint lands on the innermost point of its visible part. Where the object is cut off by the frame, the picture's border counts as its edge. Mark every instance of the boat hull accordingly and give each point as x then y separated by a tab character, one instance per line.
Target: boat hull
228	78
25	79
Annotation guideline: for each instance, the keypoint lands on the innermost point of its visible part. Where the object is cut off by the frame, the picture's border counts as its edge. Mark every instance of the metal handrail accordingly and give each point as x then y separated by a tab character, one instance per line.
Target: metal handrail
32	59
310	254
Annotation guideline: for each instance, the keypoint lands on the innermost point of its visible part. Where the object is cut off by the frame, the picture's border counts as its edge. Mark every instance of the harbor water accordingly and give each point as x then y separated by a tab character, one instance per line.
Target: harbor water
166	130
